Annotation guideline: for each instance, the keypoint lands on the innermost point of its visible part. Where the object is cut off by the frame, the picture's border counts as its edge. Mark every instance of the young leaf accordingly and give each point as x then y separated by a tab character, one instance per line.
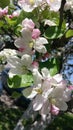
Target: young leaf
69	33
19	81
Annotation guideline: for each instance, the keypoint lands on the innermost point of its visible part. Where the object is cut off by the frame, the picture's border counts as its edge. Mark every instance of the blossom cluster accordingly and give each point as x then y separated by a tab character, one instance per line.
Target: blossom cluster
49	93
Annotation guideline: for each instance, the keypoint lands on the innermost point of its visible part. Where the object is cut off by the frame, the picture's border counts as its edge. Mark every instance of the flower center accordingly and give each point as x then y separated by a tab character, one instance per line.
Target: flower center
31	44
31	2
52	1
38	90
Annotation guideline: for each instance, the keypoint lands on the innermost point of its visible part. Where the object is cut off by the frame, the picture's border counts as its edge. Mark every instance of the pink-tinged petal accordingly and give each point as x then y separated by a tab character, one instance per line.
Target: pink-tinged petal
38	102
35	33
28	24
35	64
54	110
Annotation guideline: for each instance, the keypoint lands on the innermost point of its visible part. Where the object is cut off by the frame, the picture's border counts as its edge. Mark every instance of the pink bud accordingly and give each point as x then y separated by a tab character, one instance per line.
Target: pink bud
21	49
70	87
15	14
5	11
10	16
36	33
28	23
54	110
35	64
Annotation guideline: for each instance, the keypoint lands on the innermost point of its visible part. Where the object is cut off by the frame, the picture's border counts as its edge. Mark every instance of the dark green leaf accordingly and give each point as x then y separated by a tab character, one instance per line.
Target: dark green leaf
54	32
4	3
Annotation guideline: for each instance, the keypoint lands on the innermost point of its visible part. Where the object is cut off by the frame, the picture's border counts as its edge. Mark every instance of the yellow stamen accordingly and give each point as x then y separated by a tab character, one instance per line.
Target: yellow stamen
52	1
31	44
31	1
38	90
53	101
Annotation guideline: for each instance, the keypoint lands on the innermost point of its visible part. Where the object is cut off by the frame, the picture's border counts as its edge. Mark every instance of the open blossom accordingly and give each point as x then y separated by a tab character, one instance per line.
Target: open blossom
54	4
3	11
23	43
29	5
50	93
69	5
30	39
20	65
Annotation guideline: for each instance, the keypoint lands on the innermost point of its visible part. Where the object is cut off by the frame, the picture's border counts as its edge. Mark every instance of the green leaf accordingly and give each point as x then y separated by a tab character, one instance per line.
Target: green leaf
11	22
19	81
16	95
24	15
69	33
52	64
54	32
4	3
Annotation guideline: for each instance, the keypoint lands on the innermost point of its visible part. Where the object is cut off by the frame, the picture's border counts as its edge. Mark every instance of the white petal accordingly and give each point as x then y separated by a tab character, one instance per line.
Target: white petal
14	61
38	102
41	40
67	95
61	105
46	108
19	42
45	73
26	60
58	77
37	77
26	92
27	35
41	49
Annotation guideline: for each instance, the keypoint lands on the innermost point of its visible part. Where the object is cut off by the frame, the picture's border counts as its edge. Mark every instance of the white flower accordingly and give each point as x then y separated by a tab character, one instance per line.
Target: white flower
29	5
23	43
54	4
49	91
39	44
69	5
20	65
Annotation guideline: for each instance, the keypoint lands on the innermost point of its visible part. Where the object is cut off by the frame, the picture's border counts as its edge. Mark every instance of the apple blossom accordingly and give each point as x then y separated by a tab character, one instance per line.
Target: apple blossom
23	43
50	93
28	23
20	65
29	5
35	33
69	5
54	4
